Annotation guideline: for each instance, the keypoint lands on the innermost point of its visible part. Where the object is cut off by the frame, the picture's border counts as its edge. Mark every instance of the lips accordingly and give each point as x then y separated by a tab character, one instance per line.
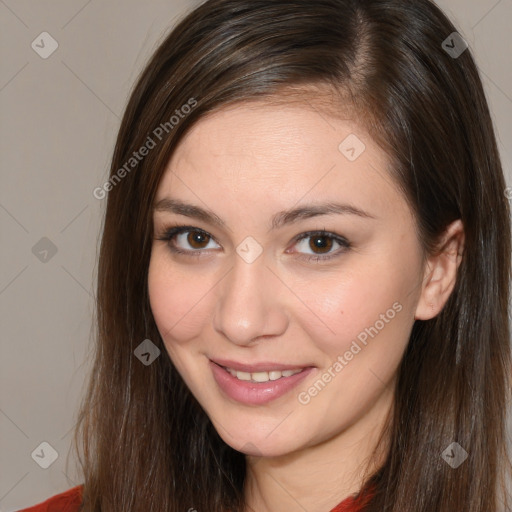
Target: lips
253	392
261	366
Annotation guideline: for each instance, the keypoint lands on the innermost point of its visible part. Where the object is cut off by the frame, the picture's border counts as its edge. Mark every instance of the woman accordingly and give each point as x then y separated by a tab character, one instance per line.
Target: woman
304	273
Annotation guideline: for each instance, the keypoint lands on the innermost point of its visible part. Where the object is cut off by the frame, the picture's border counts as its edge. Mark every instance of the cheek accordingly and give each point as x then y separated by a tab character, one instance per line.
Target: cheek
363	305
179	301
366	322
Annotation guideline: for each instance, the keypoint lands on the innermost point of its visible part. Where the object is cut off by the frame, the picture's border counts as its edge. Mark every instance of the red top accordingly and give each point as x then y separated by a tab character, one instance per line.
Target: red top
70	501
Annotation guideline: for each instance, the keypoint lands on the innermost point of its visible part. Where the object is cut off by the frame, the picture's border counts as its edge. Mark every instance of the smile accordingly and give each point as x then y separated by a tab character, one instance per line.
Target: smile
262	376
257	387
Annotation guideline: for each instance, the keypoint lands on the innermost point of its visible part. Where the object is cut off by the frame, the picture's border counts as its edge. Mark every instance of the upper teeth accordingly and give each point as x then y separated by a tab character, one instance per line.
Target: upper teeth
263	376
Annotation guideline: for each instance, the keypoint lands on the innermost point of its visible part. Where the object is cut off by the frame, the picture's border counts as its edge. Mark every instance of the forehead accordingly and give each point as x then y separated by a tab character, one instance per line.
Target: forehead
266	152
261	131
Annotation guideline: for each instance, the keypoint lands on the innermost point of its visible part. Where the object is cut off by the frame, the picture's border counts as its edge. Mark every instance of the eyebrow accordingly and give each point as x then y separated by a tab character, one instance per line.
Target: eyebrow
280	219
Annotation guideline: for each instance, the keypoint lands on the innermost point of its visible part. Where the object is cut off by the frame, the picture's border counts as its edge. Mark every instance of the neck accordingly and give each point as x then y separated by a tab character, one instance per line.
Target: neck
320	476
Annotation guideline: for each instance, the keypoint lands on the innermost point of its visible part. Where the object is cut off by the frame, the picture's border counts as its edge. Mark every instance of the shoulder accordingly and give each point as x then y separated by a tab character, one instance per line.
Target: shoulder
68	501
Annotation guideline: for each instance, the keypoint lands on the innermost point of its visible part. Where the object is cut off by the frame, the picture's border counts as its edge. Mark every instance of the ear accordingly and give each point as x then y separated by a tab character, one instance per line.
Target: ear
441	272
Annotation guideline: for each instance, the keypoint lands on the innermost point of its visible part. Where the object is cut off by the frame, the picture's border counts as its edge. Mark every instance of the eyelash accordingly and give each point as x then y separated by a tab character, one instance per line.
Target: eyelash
170	232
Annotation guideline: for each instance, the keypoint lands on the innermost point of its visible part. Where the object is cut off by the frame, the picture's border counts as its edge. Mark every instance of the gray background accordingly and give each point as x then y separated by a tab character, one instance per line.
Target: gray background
58	126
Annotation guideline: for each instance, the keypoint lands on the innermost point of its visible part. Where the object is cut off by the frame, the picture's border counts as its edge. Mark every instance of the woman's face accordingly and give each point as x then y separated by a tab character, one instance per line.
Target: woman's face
248	292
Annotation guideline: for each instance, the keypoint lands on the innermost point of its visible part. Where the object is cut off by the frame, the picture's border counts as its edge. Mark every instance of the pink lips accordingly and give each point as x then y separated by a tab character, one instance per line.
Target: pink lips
256	367
255	393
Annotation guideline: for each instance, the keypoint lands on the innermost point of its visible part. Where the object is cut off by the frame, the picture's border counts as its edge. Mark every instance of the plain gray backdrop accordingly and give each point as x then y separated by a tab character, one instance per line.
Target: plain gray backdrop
60	111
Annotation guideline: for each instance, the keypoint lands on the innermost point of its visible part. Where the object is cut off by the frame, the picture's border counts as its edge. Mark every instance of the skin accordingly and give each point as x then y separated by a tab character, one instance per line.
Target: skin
245	164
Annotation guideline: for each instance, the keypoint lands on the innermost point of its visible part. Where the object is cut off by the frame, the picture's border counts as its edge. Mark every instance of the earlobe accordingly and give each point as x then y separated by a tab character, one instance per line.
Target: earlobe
441	272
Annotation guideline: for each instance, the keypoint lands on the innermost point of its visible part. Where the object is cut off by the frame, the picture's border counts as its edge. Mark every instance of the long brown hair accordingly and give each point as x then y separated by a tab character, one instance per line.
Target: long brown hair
143	441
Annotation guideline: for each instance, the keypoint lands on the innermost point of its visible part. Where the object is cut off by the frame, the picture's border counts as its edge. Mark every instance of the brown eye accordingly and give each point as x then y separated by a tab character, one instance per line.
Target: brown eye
316	246
188	240
320	246
197	239
322	243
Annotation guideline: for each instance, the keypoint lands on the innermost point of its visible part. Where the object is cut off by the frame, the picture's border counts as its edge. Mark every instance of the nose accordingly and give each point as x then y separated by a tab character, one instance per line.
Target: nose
249	303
